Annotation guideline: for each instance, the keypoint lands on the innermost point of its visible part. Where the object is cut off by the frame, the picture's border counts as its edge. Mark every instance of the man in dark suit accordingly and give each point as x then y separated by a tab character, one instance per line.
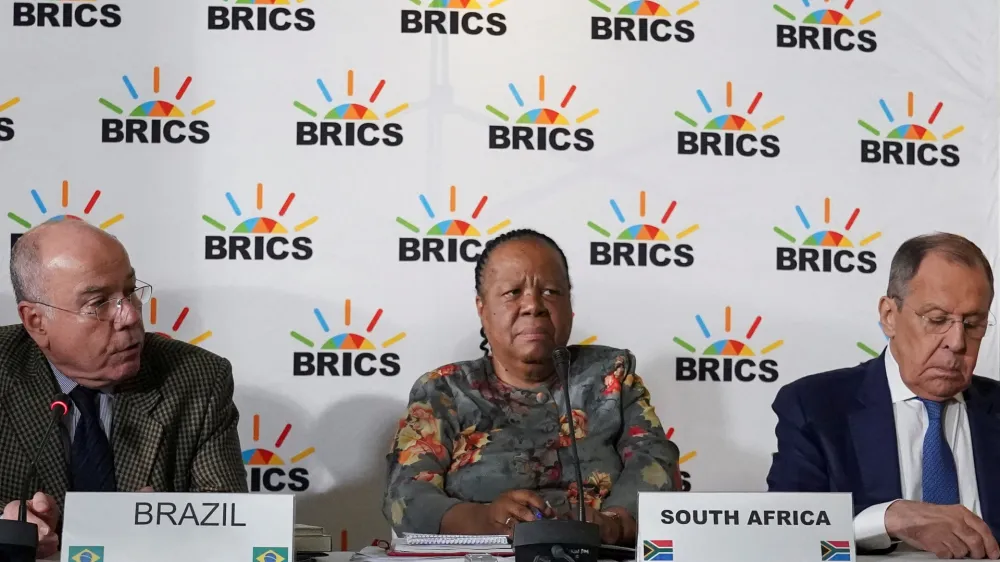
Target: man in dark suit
146	412
913	434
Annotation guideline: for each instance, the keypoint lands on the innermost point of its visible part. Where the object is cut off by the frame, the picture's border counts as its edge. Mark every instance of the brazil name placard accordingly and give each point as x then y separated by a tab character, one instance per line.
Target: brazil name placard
157	527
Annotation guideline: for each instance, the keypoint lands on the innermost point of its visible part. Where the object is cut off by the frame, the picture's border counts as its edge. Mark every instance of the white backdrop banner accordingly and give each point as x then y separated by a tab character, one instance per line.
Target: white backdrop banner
307	184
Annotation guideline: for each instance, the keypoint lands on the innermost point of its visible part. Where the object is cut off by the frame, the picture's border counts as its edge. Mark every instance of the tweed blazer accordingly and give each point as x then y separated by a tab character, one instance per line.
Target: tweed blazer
173	424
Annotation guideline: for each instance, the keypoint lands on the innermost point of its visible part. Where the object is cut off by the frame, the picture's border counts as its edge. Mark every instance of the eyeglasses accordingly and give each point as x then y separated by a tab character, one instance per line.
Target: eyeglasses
112	308
937	323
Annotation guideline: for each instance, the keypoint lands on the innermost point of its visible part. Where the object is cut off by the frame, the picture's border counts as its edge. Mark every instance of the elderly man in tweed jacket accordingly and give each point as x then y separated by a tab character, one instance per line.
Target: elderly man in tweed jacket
146	412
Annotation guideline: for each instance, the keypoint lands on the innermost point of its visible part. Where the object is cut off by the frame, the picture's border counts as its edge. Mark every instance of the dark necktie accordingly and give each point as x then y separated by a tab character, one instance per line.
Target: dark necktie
92	463
940	478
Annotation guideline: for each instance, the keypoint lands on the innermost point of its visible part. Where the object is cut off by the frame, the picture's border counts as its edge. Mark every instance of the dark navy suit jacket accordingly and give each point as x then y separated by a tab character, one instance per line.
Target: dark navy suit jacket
837	433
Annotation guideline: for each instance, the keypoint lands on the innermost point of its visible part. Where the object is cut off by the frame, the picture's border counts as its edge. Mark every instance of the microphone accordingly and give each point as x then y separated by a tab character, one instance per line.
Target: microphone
560	539
560	358
57	409
18	538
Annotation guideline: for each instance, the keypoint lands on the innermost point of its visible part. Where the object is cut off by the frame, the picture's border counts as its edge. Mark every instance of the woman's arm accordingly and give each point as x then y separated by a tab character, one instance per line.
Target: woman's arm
415	500
650	460
421	457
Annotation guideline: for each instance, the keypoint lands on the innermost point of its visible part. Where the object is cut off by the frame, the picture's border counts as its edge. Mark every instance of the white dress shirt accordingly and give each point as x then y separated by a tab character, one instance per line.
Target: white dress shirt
911	424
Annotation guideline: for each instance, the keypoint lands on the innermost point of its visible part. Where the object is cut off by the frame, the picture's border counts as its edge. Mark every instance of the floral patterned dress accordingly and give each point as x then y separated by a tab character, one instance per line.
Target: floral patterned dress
468	437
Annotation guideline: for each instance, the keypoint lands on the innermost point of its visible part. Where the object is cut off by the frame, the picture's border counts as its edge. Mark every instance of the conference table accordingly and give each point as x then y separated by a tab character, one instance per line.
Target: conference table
895	557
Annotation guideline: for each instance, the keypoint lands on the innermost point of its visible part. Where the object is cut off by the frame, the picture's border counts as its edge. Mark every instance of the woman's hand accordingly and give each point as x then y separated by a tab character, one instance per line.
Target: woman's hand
615	525
513	506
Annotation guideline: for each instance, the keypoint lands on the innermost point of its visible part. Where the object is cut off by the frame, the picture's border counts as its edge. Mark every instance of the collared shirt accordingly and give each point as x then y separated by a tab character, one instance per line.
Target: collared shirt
70	421
911	424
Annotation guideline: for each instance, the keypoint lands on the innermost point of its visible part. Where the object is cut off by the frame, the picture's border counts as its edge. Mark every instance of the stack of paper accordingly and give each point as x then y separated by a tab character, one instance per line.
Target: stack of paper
312	539
423	545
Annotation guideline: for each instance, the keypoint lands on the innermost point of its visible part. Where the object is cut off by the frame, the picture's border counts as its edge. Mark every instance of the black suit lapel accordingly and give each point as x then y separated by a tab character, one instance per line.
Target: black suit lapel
26	404
873	432
984	426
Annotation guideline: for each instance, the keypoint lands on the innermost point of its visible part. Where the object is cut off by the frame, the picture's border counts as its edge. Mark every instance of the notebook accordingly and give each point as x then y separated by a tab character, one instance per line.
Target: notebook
429	545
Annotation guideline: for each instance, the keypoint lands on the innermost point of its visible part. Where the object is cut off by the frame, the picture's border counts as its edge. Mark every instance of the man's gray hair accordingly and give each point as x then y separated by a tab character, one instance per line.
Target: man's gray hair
911	254
25	268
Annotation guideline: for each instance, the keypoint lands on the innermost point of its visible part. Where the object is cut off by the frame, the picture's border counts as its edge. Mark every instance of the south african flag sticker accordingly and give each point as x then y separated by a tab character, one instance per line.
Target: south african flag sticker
658	551
836	551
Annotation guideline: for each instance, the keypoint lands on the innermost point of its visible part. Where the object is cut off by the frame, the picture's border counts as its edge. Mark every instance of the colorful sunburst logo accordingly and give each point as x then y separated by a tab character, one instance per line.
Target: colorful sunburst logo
642	231
352	110
825	237
910	131
458	4
157	108
452	226
827	16
727	346
260	224
729	121
259	456
542	115
646	8
176	326
347	340
63	211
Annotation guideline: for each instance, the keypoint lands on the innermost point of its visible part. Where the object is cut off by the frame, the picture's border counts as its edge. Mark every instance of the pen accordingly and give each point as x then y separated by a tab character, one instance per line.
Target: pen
538	514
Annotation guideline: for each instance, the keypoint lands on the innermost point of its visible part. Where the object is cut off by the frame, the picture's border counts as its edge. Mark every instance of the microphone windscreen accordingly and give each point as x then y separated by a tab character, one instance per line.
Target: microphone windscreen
561	356
60	403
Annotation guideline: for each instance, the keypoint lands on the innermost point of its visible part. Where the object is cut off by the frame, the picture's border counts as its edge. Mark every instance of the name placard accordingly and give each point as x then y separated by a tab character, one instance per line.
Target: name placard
164	527
745	527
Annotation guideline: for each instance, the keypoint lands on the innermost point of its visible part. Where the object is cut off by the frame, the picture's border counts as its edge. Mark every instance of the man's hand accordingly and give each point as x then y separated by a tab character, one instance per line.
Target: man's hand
949	531
43	512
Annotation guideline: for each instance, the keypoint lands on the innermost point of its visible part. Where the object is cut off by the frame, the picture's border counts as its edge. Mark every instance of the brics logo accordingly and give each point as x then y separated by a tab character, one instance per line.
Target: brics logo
641	244
175	327
268	554
448	240
826	30
349	123
258	238
67	13
268	472
155	121
455	17
727	360
6	123
62	214
541	128
346	354
264	15
85	553
728	134
826	250
909	144
642	20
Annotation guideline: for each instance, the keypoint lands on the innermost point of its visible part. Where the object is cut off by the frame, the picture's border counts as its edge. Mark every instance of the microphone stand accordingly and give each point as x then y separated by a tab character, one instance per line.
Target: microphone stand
556	540
18	538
